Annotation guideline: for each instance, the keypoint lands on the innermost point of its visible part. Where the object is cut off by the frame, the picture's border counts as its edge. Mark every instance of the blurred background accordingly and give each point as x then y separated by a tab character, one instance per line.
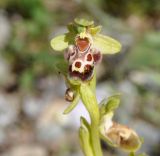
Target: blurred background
32	92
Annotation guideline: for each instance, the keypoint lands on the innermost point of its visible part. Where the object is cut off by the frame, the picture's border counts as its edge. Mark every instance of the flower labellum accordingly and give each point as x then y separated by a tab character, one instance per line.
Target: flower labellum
82	58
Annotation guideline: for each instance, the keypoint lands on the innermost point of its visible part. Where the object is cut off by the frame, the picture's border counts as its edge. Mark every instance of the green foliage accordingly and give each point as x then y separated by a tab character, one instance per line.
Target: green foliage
125	8
146	52
27	79
28	50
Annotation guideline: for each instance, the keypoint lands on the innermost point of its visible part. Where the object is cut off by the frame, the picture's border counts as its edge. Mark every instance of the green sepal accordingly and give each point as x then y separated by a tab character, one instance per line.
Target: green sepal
106	44
109	104
95	30
83	22
73	104
59	43
84	135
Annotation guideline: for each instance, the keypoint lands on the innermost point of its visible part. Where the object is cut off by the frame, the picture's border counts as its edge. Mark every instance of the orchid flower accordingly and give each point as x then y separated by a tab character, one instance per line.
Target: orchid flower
83	47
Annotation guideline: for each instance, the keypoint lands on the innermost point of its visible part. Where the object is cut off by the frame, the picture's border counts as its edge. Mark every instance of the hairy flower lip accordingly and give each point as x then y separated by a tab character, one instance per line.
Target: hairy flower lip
85	76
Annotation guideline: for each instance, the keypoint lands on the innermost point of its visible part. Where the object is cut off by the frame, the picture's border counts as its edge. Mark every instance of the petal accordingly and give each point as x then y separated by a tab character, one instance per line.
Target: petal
106	45
59	43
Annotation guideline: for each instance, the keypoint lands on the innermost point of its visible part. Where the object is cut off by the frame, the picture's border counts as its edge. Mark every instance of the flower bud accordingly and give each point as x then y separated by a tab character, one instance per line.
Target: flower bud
69	95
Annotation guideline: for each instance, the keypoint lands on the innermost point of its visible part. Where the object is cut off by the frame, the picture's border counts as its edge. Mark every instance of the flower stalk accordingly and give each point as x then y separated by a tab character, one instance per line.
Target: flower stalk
90	102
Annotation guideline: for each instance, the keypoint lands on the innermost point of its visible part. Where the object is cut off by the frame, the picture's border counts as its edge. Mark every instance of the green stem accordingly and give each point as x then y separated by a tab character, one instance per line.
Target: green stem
90	102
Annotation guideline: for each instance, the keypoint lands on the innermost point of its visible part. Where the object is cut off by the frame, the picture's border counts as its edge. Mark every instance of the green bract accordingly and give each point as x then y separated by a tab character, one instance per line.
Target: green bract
110	104
72	105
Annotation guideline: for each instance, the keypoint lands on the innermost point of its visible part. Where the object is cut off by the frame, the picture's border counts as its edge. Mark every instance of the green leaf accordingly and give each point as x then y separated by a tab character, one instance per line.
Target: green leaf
109	104
83	22
72	105
59	43
106	45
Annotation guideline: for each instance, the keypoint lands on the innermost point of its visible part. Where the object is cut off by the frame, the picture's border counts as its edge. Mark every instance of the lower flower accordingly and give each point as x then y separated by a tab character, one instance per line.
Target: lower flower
118	135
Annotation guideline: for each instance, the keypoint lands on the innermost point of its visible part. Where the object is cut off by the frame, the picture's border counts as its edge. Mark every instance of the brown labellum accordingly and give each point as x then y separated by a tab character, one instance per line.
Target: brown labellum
82	58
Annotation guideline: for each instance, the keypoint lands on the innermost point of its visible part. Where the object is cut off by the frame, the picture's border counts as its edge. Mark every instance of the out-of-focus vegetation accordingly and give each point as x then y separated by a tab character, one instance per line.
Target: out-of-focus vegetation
126	8
31	63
